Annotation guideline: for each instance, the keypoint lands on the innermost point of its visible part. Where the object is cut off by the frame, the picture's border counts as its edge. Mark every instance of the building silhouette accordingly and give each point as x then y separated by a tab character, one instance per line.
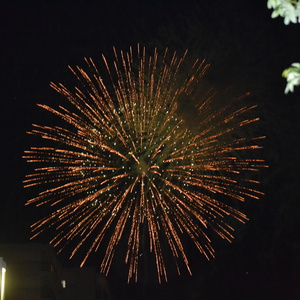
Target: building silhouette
33	272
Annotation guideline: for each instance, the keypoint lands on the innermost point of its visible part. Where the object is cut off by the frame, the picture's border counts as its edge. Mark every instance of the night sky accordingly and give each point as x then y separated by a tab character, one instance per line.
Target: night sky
248	52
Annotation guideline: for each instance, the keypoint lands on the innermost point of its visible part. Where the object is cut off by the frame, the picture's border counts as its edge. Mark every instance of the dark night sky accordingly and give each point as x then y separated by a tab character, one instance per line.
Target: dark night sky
248	51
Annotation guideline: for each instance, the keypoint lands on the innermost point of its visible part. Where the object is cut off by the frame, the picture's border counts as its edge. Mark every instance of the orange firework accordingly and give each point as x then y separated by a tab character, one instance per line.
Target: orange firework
128	160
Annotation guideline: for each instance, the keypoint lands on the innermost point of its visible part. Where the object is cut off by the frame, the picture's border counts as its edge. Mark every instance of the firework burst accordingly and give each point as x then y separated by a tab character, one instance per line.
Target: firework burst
127	161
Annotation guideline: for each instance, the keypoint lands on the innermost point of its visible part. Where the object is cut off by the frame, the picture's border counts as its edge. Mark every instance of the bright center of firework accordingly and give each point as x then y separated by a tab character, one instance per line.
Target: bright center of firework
141	167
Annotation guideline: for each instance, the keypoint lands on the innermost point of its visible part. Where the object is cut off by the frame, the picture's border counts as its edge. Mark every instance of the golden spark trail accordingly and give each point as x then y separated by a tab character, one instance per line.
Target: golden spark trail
124	164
